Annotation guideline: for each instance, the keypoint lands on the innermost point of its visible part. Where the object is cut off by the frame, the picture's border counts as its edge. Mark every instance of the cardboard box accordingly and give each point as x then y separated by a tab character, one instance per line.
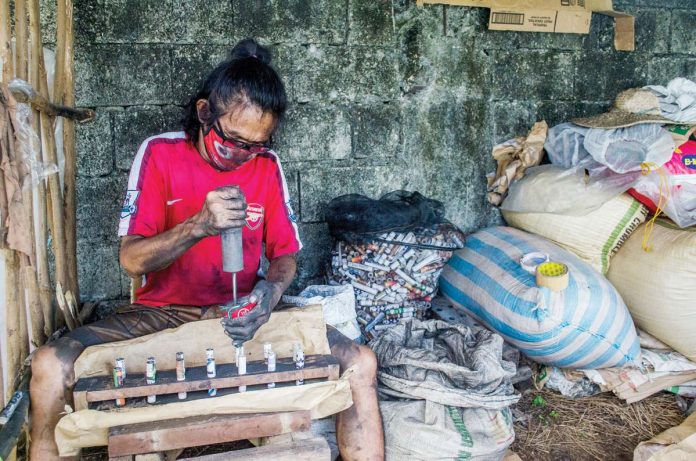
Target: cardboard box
556	16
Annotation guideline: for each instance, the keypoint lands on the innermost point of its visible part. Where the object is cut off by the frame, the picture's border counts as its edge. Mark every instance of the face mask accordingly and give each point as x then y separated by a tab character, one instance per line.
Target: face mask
228	154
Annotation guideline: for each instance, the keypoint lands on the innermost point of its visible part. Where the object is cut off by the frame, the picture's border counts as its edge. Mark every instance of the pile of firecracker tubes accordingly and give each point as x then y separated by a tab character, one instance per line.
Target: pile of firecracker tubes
394	274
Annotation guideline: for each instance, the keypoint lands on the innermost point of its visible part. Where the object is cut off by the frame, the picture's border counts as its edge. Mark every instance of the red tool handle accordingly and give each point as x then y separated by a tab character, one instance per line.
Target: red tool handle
240	311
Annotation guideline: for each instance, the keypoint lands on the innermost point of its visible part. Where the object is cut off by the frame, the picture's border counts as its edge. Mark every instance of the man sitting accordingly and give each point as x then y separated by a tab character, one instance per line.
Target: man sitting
184	189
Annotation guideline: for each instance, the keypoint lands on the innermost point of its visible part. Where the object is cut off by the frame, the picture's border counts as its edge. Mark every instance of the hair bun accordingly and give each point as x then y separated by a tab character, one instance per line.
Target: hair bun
250	48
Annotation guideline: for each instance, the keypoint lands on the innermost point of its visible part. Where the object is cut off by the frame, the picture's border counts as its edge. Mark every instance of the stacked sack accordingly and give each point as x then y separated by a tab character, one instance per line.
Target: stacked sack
658	285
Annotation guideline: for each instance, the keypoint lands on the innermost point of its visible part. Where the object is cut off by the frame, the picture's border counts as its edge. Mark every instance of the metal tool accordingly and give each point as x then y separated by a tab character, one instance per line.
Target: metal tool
232	256
233	261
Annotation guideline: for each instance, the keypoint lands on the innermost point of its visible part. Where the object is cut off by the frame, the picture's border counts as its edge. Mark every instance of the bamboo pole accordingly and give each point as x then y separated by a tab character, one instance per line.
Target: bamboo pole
55	193
64	93
24	260
39	304
6	42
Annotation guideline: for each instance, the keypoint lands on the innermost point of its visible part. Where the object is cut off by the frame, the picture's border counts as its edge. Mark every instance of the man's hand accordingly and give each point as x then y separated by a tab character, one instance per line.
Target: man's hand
266	295
224	208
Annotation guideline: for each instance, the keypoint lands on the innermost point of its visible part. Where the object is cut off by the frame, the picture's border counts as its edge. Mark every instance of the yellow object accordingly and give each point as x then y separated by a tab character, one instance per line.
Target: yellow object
552	275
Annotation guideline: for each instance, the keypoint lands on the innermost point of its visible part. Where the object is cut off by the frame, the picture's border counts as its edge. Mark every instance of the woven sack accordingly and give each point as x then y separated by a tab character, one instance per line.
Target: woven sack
658	286
586	325
595	237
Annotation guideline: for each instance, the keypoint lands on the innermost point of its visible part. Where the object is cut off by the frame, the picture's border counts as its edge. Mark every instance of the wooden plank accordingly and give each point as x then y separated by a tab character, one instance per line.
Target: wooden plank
202	430
316	449
101	388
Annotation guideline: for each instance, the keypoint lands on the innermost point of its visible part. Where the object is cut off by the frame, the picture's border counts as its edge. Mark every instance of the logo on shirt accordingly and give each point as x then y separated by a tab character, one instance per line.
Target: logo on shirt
291	214
254	215
129	207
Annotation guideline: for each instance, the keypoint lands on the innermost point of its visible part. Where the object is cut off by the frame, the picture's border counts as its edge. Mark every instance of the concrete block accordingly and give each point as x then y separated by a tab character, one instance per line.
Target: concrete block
373	73
165	21
292	21
662	69
652	30
532	74
370	23
94	146
314	132
612	72
114	75
376	130
328	73
137	123
191	64
419	33
515	118
205	21
319	185
99	207
683	38
98	270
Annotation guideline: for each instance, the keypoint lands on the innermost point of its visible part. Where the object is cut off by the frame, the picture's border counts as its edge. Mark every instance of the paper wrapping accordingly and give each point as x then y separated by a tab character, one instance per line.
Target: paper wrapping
87	428
284	328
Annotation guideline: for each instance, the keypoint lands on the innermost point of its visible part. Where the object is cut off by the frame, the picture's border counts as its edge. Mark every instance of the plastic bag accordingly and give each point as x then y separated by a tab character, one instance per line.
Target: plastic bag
623	150
28	143
672	187
575	191
626	150
338	303
564	145
354	216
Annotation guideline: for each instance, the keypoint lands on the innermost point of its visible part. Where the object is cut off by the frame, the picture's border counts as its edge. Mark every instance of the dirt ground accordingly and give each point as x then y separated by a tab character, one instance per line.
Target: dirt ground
550	427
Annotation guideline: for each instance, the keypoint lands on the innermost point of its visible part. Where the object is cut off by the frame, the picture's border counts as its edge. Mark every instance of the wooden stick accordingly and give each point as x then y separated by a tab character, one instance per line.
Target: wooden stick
63	305
22	68
6	42
86	312
44	130
72	308
65	80
42	104
12	311
50	156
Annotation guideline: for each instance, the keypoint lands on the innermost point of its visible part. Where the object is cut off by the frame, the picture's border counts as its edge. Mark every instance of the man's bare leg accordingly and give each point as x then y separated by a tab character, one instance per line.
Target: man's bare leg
52	377
359	428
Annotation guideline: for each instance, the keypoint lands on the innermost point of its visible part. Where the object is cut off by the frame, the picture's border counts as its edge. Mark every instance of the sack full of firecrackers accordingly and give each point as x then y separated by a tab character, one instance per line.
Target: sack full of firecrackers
394	274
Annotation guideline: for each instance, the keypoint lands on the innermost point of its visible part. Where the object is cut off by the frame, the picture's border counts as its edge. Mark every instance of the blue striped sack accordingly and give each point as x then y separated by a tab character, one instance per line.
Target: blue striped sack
587	325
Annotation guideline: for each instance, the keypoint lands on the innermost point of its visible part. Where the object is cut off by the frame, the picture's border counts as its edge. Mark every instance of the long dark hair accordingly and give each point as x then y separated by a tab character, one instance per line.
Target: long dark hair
246	78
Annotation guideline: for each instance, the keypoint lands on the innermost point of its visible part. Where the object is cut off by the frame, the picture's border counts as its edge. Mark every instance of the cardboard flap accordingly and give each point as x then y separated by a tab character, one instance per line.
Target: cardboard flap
559	16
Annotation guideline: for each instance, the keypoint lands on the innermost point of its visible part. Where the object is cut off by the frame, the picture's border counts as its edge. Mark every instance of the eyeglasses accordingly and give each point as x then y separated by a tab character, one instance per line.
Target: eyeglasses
255	148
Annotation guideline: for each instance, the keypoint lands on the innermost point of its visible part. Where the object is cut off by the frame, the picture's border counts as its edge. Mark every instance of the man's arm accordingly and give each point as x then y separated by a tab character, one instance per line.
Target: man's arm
224	208
281	272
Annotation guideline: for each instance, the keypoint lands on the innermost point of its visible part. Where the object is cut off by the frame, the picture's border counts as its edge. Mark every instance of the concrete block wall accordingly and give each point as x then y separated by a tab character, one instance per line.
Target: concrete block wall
384	95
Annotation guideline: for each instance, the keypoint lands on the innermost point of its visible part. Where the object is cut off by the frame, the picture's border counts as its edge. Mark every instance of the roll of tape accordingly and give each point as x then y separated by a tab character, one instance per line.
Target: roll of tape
552	275
530	261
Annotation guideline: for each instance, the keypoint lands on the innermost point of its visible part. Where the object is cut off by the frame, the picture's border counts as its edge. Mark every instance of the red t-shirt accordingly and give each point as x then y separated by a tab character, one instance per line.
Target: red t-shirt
168	184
